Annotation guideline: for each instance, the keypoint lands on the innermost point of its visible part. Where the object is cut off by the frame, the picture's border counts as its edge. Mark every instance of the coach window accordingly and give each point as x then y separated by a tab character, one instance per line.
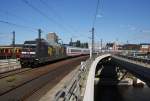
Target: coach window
6	50
19	50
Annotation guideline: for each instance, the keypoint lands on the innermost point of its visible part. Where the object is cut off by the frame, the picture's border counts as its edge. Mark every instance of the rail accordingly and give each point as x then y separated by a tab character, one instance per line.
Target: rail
9	64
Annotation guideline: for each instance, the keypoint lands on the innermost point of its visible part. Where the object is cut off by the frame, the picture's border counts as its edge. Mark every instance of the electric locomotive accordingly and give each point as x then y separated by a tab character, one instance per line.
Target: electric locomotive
40	51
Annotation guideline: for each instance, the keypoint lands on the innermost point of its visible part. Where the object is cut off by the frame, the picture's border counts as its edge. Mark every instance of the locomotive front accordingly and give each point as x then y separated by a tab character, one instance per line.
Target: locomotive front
28	53
40	51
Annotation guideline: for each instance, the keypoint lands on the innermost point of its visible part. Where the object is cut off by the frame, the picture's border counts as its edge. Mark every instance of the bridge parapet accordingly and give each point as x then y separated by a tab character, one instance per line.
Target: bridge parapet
134	60
74	89
81	83
138	59
89	90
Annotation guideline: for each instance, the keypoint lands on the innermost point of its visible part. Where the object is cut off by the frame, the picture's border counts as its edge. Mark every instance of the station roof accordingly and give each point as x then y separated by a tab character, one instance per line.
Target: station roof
7	46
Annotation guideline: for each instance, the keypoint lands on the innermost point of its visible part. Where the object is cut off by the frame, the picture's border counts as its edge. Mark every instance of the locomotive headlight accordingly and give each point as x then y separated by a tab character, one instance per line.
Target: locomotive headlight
23	52
31	52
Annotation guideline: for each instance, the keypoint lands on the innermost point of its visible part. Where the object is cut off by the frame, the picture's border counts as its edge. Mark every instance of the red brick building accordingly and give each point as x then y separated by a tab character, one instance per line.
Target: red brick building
131	47
145	48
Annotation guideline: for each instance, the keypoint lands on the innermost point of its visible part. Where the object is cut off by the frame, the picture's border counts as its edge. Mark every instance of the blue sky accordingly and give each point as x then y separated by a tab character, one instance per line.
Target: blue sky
117	20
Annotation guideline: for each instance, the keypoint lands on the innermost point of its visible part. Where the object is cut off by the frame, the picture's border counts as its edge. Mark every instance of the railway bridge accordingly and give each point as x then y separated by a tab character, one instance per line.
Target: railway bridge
107	70
139	69
94	79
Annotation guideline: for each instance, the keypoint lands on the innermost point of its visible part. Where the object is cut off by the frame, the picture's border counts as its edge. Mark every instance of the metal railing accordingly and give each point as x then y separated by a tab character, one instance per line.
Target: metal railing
73	91
9	64
143	60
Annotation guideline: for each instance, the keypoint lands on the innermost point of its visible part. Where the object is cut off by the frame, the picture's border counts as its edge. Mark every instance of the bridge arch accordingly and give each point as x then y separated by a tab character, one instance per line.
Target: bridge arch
89	90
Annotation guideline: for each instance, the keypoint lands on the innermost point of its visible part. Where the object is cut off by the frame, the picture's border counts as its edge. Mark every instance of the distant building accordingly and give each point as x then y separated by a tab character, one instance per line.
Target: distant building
135	47
78	44
52	37
111	46
97	46
145	47
120	47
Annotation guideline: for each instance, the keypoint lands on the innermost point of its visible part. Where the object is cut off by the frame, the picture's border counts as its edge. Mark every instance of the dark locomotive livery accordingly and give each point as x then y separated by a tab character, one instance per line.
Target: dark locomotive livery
40	51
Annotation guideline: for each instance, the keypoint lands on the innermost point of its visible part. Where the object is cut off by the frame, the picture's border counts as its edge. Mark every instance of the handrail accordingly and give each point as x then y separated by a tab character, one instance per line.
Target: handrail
9	64
73	90
77	88
144	60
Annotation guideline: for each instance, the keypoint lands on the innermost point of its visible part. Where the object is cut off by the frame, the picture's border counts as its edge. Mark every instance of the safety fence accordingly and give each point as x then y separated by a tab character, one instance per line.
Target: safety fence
143	60
74	90
9	64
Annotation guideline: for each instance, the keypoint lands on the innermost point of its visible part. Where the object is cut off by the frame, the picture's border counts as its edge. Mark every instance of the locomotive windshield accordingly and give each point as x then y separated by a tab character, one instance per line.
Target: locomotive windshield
29	46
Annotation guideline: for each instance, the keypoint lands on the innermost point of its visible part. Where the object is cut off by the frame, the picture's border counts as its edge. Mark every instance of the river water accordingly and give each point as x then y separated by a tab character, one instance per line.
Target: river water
122	93
116	92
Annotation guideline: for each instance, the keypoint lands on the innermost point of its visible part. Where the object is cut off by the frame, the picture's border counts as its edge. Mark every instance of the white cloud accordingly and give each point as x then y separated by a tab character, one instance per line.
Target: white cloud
132	27
99	16
145	31
2	36
129	27
143	36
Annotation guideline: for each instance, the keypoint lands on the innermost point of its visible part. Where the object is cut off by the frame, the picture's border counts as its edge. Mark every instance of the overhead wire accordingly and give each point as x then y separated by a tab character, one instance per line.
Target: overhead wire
96	12
5	38
12	14
18	25
5	35
37	10
57	14
51	8
44	15
15	16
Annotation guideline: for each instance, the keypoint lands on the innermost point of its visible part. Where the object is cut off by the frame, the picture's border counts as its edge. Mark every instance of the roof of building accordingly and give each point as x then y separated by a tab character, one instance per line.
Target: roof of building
144	43
16	45
110	44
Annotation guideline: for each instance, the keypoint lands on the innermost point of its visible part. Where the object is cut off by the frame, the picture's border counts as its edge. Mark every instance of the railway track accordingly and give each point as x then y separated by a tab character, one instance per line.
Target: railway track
25	69
26	83
13	72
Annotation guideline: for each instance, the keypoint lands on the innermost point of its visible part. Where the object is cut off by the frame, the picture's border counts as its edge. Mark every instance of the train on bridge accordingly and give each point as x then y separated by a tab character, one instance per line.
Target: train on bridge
40	51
